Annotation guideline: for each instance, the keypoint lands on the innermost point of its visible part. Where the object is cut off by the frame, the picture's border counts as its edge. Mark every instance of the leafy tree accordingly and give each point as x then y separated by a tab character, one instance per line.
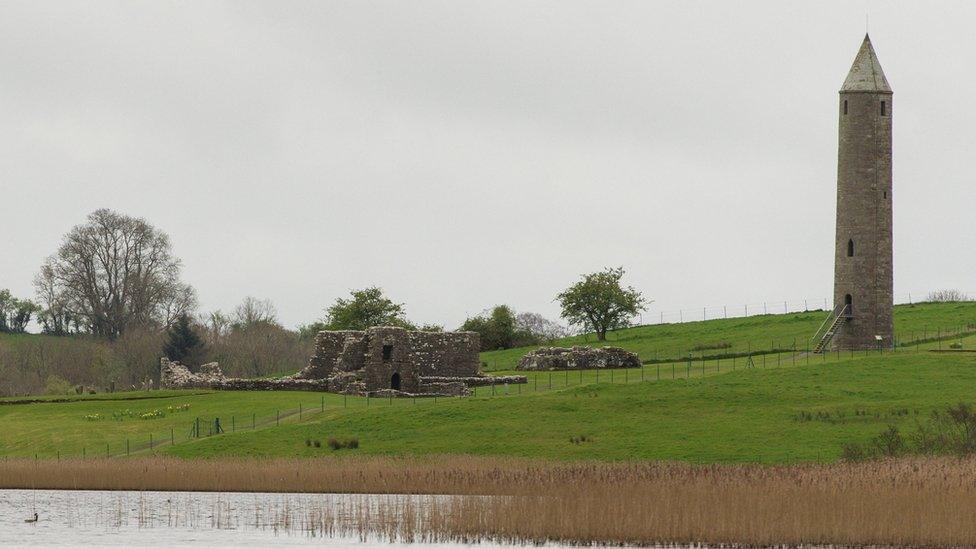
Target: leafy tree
7	305
15	314
21	315
598	302
367	308
182	341
307	331
498	329
113	273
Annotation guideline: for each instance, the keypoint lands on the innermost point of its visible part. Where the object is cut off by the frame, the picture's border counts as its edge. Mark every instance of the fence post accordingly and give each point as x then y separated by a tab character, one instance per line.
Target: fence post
252	420
323	403
277	417
150	441
299	411
106	450
126	446
172	436
233	423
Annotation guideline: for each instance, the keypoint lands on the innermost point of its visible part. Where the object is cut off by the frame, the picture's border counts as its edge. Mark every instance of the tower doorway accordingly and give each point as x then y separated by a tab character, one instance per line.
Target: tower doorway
849	305
395	381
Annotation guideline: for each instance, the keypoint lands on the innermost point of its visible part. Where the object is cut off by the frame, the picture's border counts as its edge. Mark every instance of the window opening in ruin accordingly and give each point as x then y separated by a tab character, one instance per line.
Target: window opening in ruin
849	302
886	194
882	108
850	248
845	106
387	352
395	381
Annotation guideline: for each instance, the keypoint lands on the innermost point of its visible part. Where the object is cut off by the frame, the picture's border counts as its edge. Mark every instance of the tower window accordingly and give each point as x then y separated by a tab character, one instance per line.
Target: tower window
387	352
886	194
845	106
850	248
883	113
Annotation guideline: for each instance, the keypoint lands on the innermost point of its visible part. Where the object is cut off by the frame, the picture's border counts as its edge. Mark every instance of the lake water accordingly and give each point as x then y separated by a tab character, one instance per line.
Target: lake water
209	519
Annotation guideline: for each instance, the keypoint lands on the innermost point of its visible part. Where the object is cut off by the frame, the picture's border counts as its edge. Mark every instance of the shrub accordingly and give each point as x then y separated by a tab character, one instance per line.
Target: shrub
947	296
308	442
317	443
890	443
955	345
337	444
853	452
57	385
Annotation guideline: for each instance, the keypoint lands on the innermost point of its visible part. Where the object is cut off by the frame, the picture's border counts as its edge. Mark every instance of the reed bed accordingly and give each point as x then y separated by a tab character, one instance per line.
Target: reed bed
918	501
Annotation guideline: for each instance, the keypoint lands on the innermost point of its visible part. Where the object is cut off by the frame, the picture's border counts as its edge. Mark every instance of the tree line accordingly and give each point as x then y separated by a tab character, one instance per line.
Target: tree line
115	283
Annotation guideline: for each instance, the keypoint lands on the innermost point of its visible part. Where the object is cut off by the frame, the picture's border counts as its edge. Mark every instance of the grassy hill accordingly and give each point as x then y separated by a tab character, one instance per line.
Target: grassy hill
746	416
755	333
783	407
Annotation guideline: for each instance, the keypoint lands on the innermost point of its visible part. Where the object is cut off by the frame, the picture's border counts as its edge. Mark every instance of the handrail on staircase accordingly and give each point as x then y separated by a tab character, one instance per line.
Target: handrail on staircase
831	318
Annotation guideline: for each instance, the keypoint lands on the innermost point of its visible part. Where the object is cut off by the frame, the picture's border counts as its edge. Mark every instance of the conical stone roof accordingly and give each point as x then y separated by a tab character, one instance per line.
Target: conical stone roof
866	74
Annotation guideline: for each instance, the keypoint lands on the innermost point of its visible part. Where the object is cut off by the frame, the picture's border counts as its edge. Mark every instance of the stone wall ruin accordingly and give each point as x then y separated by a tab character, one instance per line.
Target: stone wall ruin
578	358
380	361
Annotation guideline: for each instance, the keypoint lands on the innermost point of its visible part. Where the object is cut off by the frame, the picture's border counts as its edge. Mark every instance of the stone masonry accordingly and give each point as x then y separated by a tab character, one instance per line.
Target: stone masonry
863	251
380	361
402	361
578	358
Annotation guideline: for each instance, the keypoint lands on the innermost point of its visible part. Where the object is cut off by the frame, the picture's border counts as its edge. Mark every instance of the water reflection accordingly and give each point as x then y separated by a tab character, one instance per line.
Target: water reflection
178	519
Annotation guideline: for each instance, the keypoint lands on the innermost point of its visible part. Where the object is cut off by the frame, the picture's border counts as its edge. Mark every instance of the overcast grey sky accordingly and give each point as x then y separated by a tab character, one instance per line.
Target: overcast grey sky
464	154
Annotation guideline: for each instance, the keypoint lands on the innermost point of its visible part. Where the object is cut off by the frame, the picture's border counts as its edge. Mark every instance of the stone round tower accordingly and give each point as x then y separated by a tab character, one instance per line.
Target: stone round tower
863	296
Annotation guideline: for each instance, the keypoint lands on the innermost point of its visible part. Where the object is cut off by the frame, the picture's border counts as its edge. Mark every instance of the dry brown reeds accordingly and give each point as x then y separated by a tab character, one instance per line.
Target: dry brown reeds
921	501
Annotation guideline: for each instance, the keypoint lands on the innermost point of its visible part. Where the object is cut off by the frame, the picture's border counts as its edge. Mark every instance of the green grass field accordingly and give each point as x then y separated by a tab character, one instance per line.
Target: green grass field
782	407
755	333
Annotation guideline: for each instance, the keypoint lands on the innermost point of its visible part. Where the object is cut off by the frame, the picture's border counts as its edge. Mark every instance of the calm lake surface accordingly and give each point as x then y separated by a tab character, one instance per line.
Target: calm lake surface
206	519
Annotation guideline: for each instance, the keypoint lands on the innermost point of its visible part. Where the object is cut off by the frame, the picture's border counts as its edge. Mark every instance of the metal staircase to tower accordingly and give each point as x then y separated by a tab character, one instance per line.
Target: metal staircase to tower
832	323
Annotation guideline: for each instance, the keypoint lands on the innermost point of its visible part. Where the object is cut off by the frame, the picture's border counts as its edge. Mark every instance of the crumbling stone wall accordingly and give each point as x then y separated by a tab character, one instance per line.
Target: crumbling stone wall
174	375
578	358
387	357
381	361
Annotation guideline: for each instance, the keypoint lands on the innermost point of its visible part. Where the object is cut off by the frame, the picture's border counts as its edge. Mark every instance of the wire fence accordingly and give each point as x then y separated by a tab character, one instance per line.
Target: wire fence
688	366
758	308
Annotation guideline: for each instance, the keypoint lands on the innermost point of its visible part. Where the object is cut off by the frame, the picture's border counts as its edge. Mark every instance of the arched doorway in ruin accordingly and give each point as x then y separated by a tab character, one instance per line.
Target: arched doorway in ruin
395	381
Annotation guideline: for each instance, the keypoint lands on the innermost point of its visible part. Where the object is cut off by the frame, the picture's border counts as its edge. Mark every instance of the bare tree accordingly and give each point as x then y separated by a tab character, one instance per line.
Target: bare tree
253	311
114	273
217	326
540	327
947	296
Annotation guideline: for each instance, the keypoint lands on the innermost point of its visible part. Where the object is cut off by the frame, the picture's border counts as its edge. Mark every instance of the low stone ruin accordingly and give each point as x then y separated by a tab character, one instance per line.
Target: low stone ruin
172	374
578	358
381	361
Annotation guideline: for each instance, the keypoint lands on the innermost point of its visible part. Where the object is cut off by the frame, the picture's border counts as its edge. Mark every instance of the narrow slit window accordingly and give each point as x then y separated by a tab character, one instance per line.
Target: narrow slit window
387	352
850	248
845	106
886	194
883	111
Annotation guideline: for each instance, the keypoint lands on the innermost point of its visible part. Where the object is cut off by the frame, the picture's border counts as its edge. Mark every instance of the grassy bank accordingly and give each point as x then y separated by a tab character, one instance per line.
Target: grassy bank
906	502
774	415
796	408
756	333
